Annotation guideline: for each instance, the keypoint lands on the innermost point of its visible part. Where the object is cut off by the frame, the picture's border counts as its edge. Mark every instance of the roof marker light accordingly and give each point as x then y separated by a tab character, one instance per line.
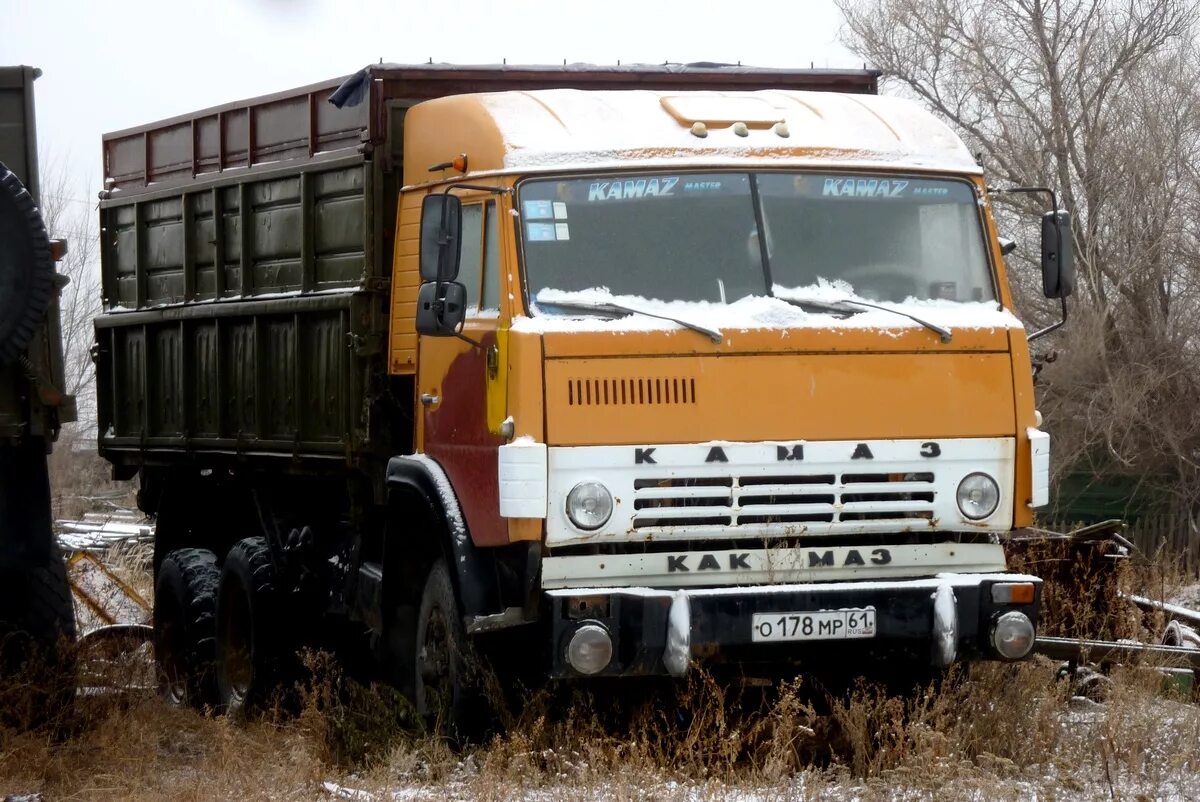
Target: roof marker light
781	128
459	163
740	129
699	129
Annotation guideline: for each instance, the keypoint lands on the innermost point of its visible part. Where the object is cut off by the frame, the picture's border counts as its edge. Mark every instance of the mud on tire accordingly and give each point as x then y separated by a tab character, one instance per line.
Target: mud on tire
185	626
26	267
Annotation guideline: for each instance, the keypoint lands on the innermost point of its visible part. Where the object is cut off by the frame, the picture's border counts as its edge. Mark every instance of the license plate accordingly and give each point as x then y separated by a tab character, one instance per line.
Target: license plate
823	625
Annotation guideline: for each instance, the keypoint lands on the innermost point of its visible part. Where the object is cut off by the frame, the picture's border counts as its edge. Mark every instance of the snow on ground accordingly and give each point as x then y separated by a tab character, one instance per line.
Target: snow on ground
99	532
1187	596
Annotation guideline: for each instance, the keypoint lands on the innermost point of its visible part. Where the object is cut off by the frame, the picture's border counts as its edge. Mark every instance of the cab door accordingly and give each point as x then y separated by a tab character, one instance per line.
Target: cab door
453	377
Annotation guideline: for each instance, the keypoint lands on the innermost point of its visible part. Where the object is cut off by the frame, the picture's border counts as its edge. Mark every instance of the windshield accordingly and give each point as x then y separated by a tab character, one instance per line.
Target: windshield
720	237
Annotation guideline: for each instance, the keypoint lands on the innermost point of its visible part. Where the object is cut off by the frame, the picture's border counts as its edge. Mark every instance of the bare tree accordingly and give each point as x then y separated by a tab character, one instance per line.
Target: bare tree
81	480
1100	99
71	217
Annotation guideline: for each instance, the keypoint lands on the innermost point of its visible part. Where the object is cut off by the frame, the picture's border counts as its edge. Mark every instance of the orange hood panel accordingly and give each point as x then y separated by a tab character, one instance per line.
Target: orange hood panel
925	392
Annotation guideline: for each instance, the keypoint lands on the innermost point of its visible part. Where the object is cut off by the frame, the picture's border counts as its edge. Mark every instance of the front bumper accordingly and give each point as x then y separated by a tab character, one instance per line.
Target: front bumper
933	621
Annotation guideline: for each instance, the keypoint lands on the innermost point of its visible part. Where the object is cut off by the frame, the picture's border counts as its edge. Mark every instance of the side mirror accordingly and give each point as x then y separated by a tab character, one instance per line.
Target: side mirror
1058	255
441	308
441	237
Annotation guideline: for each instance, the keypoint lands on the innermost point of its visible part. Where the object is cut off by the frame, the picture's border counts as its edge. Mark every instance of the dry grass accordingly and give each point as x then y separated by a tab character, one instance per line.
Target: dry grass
996	732
1005	732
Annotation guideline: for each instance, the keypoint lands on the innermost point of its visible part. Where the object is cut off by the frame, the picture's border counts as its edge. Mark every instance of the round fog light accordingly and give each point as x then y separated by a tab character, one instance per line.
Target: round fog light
589	505
590	649
978	496
1013	635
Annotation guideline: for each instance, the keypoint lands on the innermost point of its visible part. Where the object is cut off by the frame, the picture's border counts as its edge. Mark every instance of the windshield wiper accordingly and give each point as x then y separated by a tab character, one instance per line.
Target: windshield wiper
840	306
944	333
620	310
813	305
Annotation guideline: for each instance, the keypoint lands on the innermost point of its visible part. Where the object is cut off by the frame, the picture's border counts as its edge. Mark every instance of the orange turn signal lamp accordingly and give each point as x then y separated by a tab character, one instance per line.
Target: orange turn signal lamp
1013	593
459	163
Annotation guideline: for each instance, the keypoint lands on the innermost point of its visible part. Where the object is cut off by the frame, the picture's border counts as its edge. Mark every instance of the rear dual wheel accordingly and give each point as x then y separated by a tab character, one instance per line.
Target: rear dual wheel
185	634
248	628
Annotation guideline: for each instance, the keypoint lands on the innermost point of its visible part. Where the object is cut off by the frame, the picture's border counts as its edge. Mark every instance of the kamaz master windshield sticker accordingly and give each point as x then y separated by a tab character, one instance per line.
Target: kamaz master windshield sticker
631	188
865	187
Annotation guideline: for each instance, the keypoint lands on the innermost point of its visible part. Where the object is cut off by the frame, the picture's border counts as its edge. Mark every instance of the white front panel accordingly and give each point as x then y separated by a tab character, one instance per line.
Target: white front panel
715	490
1039	452
523	479
709	568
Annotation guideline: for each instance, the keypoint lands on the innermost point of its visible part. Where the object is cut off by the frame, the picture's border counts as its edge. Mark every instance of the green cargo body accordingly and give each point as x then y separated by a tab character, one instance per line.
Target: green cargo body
246	254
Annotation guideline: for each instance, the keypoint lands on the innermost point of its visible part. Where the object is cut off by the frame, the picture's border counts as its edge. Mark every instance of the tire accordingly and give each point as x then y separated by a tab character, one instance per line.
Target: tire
26	267
37	645
447	691
185	626
248	647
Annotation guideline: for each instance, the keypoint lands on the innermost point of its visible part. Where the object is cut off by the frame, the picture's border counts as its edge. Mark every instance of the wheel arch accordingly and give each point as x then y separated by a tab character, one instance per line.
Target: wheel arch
425	518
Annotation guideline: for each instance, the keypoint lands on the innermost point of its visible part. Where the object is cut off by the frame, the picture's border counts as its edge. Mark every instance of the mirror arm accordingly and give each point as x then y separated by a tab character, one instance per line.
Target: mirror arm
1032	190
1052	326
479	188
465	338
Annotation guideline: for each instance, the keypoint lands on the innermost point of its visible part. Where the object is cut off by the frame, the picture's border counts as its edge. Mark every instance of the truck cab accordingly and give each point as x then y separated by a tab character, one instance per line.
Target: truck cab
743	365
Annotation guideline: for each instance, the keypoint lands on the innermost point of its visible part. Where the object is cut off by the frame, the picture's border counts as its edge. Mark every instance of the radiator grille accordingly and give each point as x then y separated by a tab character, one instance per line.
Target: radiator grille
812	498
631	391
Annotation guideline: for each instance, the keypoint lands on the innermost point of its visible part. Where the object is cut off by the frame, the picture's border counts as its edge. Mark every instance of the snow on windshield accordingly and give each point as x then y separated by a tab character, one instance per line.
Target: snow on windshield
755	312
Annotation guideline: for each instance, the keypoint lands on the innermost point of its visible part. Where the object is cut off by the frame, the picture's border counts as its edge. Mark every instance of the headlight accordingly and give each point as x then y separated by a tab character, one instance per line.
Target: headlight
1013	635
590	649
589	505
978	496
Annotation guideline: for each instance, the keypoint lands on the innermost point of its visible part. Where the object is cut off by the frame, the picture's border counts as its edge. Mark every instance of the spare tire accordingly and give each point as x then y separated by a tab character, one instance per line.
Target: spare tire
26	267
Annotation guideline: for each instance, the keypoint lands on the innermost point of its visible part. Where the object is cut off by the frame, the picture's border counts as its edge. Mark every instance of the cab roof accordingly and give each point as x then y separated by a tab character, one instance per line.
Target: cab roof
568	129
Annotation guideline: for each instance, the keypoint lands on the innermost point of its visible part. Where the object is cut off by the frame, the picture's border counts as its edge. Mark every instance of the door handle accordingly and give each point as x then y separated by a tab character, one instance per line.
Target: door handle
430	400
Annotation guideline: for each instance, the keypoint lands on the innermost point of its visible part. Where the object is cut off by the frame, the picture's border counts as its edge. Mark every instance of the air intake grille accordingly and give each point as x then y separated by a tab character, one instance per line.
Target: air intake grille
630	391
765	500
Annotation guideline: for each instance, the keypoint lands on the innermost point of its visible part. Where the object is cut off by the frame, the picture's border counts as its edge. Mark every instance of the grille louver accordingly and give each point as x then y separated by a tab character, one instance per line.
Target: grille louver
820	498
631	391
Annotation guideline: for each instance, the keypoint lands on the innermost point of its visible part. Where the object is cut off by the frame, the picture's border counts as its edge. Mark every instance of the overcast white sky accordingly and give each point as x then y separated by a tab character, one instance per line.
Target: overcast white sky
112	65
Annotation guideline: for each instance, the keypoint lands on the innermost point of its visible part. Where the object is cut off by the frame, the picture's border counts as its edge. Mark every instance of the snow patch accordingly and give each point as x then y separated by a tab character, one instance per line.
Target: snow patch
560	128
445	491
945	624
678	653
760	312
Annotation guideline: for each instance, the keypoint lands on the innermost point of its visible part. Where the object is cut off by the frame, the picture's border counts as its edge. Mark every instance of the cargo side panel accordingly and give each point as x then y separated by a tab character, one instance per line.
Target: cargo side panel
244	316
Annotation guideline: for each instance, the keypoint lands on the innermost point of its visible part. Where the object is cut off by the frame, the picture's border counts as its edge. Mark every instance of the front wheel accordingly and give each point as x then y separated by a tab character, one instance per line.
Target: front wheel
247	628
447	677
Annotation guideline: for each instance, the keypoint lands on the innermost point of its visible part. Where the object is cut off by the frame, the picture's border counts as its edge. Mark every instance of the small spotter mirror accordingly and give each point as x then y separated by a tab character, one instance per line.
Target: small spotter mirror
441	308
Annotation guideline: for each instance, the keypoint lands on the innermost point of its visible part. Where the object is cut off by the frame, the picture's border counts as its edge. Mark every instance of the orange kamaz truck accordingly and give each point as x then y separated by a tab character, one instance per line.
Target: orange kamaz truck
611	371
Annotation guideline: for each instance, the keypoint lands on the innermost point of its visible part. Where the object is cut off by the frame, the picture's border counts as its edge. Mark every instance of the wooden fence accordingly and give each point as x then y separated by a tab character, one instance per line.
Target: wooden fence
1167	536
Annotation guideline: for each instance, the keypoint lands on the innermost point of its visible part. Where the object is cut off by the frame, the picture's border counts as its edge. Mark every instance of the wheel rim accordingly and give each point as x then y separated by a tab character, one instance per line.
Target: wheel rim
433	666
237	664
